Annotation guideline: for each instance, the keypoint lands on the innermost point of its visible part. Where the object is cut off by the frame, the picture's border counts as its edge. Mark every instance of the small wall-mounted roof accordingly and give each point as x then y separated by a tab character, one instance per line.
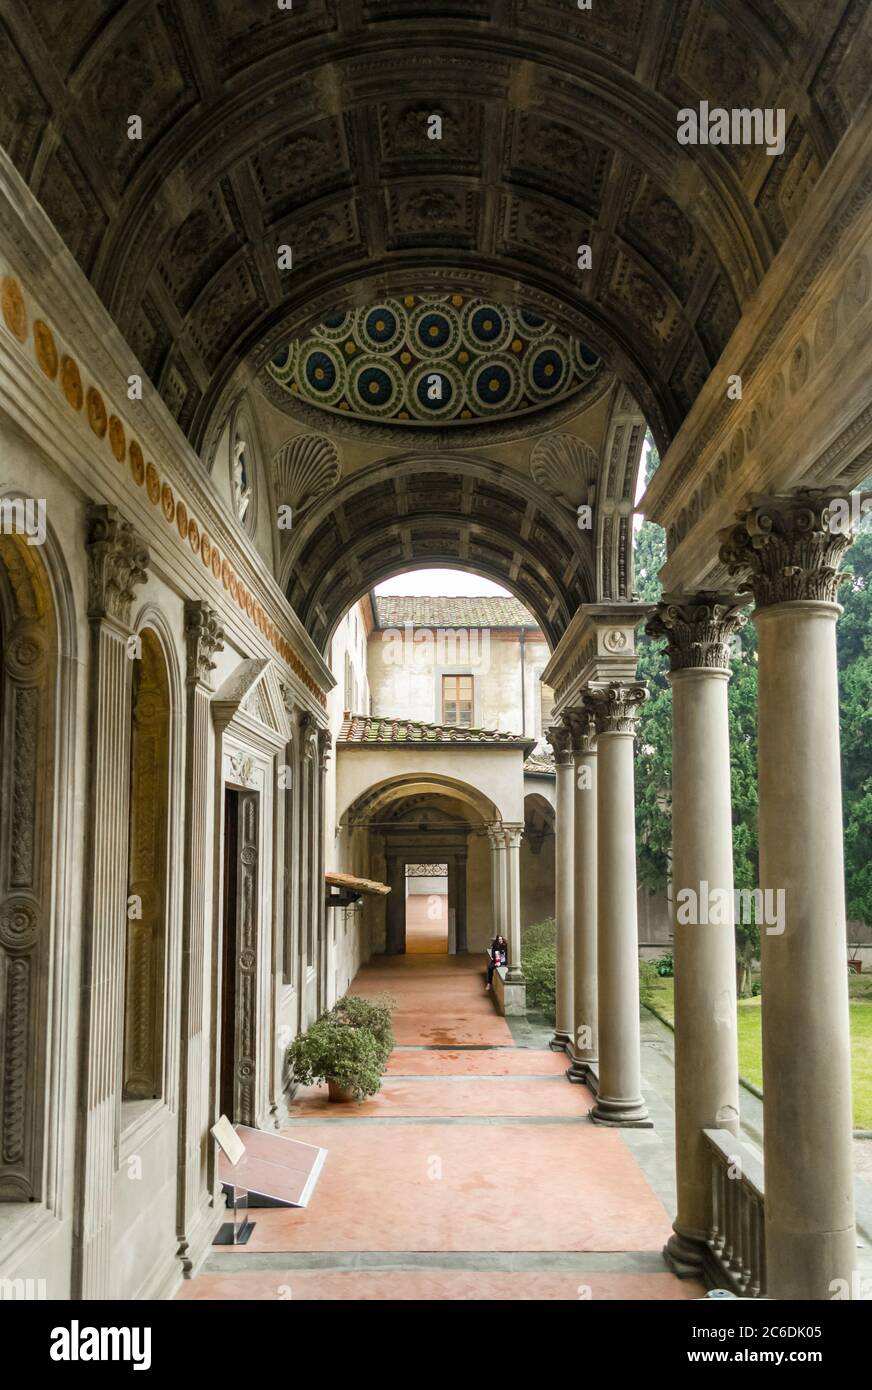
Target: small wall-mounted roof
379	731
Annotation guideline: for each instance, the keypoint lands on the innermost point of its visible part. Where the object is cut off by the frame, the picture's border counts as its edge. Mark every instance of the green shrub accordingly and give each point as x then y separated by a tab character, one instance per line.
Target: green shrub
665	966
648	977
374	1014
539	964
334	1048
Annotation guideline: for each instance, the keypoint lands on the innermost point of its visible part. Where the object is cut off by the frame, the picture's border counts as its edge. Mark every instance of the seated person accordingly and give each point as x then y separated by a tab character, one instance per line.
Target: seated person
499	954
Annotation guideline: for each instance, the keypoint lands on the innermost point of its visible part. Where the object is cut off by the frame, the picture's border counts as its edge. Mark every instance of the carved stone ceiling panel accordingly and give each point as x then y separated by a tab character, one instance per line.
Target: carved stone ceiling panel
312	128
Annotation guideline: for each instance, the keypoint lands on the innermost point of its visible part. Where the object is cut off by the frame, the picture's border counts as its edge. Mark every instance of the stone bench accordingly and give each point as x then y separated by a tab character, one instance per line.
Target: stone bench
510	999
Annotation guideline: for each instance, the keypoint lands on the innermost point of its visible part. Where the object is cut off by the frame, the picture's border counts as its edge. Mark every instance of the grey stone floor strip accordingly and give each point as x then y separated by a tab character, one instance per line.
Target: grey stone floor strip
512	1261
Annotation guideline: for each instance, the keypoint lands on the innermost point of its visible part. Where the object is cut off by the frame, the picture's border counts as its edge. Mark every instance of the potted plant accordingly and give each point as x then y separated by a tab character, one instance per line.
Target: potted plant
855	960
348	1048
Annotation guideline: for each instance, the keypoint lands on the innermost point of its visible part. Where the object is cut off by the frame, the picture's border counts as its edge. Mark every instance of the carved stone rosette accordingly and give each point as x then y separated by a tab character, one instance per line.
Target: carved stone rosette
616	706
784	548
560	737
698	628
117	561
204	636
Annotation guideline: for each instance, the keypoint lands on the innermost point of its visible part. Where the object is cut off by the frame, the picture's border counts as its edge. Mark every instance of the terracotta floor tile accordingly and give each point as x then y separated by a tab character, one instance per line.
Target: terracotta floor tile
427	1285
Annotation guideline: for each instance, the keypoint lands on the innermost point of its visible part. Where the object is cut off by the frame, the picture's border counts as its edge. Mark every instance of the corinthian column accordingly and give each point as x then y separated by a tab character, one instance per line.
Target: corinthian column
117	561
560	738
698	629
584	911
512	902
791	557
619	1100
204	637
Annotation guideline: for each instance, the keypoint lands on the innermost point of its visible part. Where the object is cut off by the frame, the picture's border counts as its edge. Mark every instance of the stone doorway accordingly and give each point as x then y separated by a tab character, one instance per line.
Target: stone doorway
427	912
239	957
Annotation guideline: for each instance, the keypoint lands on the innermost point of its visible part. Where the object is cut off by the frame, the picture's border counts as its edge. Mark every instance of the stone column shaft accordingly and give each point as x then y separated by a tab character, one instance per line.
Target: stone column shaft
560	738
584	1050
619	1100
792	558
698	629
512	857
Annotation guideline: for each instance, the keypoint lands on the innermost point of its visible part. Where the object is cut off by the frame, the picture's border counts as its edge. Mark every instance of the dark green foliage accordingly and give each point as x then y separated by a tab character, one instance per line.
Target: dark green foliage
539	964
350	1044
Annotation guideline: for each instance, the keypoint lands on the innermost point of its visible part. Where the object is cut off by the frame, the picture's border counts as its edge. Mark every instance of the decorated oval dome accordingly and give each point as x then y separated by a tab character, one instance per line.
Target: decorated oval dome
423	359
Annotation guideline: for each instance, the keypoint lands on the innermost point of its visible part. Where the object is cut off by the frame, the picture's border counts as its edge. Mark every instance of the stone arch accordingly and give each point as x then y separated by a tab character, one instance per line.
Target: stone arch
37	713
148	935
422	510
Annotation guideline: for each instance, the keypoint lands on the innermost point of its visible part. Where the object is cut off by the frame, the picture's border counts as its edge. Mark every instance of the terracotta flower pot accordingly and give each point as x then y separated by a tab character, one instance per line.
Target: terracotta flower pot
336	1092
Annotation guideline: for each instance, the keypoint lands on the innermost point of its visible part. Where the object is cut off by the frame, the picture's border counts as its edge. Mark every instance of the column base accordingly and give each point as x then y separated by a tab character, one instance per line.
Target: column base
685	1255
560	1042
579	1071
621	1113
515	976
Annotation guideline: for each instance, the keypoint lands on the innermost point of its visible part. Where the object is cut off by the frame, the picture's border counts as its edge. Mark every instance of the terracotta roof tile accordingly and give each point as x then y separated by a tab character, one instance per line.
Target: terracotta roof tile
395	610
378	729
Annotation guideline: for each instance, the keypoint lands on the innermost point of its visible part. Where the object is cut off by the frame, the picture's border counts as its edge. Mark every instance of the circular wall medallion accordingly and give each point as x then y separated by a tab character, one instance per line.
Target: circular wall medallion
14	310
152	483
234	588
495	385
435	392
71	382
26	651
46	350
434	331
383	327
720	472
205	550
615	640
226	574
486	326
376	386
546	370
193	535
137	463
737	449
323	371
97	417
117	441
19	924
216	562
335	327
168	502
182	519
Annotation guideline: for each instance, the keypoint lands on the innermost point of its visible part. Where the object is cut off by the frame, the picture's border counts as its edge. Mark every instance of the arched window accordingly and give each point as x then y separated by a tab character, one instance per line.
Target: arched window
145	970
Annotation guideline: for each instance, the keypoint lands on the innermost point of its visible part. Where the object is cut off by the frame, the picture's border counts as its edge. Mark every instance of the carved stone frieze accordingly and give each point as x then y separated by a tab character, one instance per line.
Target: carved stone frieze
117	562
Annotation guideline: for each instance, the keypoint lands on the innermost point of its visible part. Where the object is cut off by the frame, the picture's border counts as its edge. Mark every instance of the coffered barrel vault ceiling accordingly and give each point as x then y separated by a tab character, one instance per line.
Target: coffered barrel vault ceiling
309	128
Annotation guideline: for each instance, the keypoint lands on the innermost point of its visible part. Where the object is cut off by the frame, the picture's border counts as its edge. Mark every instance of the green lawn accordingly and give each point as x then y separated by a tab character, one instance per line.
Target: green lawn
750	1045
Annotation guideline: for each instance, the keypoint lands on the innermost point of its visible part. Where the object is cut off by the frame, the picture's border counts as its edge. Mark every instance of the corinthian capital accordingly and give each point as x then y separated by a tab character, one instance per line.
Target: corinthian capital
616	706
582	726
786	548
204	636
560	737
698	628
325	747
117	562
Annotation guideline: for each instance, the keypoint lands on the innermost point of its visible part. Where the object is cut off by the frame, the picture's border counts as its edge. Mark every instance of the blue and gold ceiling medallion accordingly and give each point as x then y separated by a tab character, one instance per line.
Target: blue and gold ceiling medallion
447	357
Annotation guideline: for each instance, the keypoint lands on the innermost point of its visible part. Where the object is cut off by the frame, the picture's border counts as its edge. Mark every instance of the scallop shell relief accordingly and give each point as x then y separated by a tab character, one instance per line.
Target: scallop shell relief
565	467
305	468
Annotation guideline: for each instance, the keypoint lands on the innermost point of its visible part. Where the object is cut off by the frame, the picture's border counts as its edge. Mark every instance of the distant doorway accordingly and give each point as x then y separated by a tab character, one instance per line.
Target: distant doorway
427	909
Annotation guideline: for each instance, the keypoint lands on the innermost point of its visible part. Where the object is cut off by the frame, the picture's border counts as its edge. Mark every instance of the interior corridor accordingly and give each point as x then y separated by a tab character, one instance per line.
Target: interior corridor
474	1174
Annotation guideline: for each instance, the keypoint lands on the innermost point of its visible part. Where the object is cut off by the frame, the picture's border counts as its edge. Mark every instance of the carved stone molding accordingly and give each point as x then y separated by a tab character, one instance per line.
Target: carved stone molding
117	561
784	549
698	628
204	636
616	706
